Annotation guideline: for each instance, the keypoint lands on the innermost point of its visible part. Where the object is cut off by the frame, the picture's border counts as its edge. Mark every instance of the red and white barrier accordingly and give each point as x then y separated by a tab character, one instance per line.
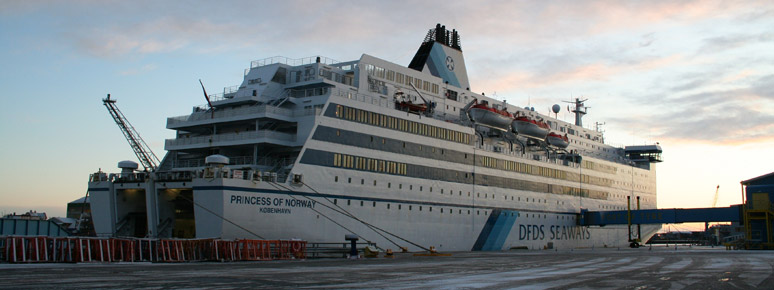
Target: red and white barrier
26	249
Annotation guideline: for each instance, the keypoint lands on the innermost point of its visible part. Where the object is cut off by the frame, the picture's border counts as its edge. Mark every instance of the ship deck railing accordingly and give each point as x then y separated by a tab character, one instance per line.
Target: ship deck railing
242	136
232	112
292	61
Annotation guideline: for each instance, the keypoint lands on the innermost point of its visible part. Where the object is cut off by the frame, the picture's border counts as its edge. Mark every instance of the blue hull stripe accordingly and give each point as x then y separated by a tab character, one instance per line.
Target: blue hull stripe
496	230
487	230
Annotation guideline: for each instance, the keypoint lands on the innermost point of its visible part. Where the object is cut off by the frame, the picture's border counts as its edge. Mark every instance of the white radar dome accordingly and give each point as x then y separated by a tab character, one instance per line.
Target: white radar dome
127	164
556	108
216	159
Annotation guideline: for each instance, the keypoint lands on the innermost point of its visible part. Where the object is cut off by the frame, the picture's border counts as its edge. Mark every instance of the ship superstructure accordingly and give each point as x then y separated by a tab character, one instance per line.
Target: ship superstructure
411	157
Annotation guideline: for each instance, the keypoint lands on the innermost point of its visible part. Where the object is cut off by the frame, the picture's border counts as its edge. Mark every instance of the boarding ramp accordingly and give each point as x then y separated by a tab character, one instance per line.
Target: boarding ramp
661	216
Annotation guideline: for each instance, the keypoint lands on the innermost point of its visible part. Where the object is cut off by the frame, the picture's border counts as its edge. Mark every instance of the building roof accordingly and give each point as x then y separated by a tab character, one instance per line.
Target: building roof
80	200
763	179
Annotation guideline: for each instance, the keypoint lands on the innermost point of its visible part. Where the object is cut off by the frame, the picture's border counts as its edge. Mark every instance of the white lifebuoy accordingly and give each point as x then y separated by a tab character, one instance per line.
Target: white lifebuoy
296	249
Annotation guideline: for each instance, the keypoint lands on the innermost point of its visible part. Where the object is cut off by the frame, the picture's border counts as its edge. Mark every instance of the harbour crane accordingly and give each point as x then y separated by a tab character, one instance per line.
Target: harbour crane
715	200
141	149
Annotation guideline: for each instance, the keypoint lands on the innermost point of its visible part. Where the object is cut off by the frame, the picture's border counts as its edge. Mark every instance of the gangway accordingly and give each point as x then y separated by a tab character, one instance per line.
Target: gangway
661	216
734	213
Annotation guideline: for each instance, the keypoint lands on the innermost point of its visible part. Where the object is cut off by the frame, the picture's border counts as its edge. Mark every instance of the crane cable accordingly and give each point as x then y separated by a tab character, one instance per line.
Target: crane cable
277	186
221	217
368	224
345	213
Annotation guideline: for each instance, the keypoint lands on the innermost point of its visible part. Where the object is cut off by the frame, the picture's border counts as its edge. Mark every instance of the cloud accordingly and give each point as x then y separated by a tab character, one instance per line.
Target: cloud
159	36
728	116
728	42
135	71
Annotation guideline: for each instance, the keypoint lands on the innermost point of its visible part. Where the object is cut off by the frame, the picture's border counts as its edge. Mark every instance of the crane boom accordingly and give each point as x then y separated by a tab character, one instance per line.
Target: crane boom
141	149
715	200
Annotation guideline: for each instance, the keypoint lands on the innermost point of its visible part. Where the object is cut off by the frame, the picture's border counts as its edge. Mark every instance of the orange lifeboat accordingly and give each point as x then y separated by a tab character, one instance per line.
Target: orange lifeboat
558	140
483	114
529	127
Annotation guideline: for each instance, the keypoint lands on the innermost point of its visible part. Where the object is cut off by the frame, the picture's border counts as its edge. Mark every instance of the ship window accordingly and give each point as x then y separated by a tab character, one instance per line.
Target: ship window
374	204
388	206
411	187
420	188
362	181
389	184
361	203
336	179
349	202
410	207
420	208
349	179
335	201
338	133
431	208
374	182
400	186
400	207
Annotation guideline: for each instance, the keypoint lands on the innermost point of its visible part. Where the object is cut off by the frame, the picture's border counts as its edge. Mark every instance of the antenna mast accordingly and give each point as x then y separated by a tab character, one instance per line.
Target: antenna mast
141	149
579	110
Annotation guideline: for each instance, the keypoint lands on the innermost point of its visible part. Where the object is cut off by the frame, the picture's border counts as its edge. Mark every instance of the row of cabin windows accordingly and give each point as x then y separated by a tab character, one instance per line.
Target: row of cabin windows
519	167
384	121
449	210
514	166
400	78
399	168
451	192
368	164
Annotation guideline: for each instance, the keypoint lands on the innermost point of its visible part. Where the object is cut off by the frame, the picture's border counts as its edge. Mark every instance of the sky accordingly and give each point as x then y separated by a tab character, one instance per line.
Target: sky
695	76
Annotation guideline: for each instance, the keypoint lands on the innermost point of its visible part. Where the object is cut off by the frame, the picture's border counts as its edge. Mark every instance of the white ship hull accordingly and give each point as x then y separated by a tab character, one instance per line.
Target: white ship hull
315	149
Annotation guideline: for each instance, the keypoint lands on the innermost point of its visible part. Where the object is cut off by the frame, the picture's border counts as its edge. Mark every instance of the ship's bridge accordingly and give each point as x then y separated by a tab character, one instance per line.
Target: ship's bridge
644	153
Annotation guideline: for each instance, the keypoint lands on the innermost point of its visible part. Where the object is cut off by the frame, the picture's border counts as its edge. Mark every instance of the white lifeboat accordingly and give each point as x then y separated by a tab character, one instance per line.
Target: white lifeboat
558	140
488	116
529	127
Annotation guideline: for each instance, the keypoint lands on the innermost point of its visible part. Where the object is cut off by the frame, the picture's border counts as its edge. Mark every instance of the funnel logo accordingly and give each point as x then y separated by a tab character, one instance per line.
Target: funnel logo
450	63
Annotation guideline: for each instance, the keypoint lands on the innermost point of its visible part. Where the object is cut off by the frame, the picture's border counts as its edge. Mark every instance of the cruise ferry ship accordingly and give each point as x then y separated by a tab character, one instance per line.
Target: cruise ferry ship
406	157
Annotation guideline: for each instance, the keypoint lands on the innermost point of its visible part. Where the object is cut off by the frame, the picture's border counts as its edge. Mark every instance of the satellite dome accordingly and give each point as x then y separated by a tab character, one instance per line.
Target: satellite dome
556	108
127	164
216	159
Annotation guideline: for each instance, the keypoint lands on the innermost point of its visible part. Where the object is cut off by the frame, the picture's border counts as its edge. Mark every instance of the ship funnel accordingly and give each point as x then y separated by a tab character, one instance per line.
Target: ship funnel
127	167
440	55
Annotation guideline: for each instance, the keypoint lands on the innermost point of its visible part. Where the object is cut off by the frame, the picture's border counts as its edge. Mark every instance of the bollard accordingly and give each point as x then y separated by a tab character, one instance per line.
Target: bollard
353	242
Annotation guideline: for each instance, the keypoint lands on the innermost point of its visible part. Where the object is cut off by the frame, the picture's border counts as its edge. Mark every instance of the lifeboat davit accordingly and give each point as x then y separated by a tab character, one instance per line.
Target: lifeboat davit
404	103
529	127
558	140
411	107
485	115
